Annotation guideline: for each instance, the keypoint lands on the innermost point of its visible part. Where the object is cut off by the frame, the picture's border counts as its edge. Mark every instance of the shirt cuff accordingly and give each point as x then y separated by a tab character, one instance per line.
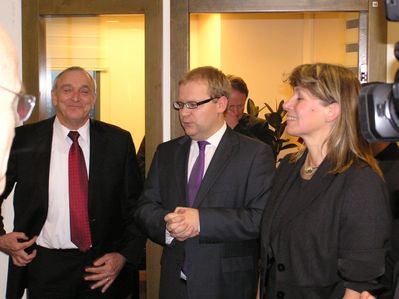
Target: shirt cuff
168	238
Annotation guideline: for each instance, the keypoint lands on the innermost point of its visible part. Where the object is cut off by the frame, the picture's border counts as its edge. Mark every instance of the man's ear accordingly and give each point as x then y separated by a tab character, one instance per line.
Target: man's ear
333	112
222	104
53	98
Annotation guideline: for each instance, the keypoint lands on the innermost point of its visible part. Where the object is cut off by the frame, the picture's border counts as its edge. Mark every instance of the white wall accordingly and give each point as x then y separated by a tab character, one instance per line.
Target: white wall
10	20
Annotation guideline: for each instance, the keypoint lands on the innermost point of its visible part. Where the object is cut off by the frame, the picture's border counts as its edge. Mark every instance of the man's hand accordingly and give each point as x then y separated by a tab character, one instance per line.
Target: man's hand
105	270
366	295
351	294
14	244
231	119
183	223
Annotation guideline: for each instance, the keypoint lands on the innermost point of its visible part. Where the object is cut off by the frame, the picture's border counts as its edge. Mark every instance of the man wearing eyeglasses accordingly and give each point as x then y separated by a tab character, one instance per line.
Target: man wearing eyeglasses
14	107
204	197
239	121
76	182
9	88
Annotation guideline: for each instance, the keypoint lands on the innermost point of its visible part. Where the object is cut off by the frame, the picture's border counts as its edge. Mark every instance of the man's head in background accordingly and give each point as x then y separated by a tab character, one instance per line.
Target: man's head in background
10	85
238	96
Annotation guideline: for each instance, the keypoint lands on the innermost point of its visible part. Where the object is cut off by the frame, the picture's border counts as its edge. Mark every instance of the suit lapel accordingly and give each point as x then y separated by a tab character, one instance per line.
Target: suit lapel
181	162
98	143
227	146
42	156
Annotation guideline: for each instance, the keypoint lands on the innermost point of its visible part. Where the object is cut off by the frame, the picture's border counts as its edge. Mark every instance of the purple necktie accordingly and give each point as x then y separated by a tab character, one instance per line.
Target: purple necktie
194	182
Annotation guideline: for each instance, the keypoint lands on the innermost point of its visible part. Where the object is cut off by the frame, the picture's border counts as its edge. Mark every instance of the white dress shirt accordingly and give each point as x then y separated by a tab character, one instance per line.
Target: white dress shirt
210	149
55	233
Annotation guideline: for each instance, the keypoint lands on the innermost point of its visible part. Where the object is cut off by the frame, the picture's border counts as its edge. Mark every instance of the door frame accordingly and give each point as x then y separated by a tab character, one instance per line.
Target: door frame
34	52
372	32
34	69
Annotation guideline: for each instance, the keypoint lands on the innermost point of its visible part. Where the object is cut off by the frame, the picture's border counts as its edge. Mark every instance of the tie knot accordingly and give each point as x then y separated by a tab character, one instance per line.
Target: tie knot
74	135
202	145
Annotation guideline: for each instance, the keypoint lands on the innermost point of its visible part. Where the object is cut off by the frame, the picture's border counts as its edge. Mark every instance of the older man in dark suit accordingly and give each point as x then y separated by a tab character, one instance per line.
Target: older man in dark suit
204	197
77	180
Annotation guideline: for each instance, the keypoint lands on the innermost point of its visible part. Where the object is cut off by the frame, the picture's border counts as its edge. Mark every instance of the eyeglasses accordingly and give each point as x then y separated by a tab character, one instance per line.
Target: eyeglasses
25	103
191	105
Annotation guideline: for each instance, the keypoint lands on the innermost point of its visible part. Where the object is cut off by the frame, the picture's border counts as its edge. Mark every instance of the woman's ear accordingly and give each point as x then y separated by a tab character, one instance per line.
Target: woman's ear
333	111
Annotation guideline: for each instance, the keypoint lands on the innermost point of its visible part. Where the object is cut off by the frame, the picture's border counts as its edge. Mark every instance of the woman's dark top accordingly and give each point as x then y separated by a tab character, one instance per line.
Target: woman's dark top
321	236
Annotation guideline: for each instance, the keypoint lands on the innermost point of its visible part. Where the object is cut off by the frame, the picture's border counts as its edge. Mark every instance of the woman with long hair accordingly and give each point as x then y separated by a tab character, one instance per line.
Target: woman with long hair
326	225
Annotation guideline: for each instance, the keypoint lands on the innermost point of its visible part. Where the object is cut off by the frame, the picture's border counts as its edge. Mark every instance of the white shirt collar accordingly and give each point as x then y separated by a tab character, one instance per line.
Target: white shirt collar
62	131
214	140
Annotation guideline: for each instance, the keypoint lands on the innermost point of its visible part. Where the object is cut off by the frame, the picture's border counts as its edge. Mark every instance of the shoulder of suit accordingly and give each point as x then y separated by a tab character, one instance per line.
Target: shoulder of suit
359	170
250	120
173	143
46	124
109	128
246	140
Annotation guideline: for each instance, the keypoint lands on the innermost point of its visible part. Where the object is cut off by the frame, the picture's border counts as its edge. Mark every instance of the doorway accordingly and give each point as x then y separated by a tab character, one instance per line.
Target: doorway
263	48
370	44
36	65
34	55
111	49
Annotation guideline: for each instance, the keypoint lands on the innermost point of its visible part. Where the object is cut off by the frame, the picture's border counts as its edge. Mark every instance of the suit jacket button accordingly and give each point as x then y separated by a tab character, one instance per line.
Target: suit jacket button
280	294
93	220
280	267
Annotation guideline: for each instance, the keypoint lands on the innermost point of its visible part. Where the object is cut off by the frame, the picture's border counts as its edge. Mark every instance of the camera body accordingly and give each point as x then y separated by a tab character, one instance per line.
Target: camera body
392	10
379	102
378	115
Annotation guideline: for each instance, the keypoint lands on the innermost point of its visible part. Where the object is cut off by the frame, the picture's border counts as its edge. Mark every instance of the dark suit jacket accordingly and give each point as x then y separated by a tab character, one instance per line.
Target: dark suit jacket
222	262
332	237
388	160
114	186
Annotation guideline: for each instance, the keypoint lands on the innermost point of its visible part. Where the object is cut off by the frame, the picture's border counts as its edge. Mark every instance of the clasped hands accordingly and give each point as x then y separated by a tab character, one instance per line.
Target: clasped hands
183	223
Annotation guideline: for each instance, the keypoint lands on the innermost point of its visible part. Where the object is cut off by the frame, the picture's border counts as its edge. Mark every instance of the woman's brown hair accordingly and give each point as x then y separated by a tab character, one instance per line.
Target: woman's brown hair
337	84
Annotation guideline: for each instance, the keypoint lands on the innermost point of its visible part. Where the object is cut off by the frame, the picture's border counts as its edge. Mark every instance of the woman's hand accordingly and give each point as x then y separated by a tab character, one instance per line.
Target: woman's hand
351	294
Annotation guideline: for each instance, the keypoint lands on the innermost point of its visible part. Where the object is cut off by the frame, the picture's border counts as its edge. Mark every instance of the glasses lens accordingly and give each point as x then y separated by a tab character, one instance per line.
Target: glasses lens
191	105
178	105
25	106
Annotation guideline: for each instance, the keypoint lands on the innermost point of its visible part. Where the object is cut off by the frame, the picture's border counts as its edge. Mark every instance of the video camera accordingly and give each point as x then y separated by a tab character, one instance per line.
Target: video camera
379	102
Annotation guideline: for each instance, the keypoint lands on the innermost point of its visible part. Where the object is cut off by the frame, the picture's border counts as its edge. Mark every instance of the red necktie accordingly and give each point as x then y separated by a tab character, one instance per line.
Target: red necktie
78	193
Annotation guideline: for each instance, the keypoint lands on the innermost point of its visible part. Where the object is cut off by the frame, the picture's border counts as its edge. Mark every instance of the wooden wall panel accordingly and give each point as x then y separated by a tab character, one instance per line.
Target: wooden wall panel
377	42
